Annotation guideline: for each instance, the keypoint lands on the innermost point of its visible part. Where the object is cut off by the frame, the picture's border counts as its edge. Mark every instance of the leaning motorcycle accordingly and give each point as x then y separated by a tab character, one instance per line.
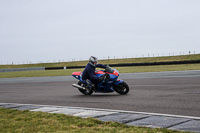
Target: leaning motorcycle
109	84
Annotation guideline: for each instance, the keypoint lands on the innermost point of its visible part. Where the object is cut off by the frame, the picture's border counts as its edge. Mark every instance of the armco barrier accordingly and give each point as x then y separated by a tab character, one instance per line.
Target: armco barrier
71	67
53	68
22	69
155	63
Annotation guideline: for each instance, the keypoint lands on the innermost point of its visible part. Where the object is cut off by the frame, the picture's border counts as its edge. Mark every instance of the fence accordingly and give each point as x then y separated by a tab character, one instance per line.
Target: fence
103	58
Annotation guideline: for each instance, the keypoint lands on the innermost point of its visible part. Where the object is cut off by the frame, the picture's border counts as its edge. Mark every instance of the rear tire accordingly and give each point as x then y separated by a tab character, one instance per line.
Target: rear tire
85	92
122	88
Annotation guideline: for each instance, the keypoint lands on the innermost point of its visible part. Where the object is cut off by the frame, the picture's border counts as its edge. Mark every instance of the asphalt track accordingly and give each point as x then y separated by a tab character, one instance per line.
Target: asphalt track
175	93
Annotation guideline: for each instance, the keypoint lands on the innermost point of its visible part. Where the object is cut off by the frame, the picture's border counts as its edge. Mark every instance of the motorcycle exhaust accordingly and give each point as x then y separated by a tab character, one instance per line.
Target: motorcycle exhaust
78	86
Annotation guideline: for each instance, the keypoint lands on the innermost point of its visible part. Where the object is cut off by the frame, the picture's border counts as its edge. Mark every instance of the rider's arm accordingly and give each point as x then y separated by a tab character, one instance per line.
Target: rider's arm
101	66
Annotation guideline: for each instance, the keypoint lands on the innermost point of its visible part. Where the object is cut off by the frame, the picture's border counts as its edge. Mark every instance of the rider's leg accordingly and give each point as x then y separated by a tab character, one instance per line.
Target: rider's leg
91	84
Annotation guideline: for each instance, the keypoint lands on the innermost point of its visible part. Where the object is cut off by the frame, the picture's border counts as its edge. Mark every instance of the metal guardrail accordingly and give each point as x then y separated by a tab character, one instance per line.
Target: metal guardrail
22	69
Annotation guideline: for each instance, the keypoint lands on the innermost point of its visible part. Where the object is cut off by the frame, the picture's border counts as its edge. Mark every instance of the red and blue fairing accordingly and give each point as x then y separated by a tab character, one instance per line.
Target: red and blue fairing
77	75
103	86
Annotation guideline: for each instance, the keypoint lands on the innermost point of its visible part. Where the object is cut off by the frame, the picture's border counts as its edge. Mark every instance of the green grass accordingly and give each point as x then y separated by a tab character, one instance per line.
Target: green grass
42	73
15	121
159	68
111	61
133	69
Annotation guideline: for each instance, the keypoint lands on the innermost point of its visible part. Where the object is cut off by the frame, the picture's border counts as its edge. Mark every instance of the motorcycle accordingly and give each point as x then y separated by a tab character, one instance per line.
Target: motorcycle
110	83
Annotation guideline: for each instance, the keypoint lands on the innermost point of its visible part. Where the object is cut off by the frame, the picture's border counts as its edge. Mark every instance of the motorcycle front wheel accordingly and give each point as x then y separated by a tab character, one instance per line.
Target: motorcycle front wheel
122	88
86	91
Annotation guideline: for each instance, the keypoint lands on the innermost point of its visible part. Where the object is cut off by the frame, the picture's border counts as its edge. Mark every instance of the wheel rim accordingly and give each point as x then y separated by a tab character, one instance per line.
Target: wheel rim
123	89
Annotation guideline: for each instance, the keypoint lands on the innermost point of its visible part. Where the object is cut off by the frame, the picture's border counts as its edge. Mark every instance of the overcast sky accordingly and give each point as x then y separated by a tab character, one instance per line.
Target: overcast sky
53	30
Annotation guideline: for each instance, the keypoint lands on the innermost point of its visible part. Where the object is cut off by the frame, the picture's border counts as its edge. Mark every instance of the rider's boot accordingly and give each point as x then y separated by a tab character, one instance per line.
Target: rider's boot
93	88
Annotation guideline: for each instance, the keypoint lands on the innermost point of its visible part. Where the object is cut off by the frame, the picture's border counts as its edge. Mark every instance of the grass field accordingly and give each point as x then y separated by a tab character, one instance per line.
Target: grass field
14	121
133	69
111	61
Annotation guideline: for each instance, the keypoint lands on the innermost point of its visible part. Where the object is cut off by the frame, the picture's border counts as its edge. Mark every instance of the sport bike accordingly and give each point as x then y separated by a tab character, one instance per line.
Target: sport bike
110	83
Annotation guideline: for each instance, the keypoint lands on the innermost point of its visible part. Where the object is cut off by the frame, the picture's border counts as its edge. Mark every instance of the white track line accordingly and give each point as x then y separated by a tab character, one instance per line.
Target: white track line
119	111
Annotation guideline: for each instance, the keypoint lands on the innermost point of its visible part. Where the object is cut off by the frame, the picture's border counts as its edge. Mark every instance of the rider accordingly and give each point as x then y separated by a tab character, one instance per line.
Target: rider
89	72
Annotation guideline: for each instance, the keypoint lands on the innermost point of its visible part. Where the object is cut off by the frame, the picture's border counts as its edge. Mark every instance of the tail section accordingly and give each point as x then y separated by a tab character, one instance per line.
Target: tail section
77	75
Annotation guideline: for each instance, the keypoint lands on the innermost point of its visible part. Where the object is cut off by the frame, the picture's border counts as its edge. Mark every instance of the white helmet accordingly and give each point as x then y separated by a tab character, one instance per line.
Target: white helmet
93	60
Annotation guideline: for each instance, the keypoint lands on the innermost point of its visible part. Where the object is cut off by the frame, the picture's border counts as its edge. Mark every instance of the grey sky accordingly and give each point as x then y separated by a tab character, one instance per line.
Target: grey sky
48	30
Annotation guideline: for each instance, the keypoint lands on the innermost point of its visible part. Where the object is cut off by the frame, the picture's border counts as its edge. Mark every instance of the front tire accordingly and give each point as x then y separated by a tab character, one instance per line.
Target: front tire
85	92
122	88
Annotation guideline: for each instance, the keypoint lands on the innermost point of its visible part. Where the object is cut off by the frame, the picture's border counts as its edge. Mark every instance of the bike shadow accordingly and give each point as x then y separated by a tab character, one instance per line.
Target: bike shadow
99	95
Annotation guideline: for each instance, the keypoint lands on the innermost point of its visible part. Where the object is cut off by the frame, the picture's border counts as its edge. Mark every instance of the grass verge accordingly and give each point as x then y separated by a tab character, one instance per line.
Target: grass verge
133	69
30	122
110	61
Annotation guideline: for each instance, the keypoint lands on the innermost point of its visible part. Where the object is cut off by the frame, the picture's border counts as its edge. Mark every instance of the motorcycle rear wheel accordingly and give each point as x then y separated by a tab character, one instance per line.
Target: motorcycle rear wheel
85	92
122	88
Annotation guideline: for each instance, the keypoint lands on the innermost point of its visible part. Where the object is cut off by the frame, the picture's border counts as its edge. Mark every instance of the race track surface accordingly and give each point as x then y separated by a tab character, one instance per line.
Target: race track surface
175	93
